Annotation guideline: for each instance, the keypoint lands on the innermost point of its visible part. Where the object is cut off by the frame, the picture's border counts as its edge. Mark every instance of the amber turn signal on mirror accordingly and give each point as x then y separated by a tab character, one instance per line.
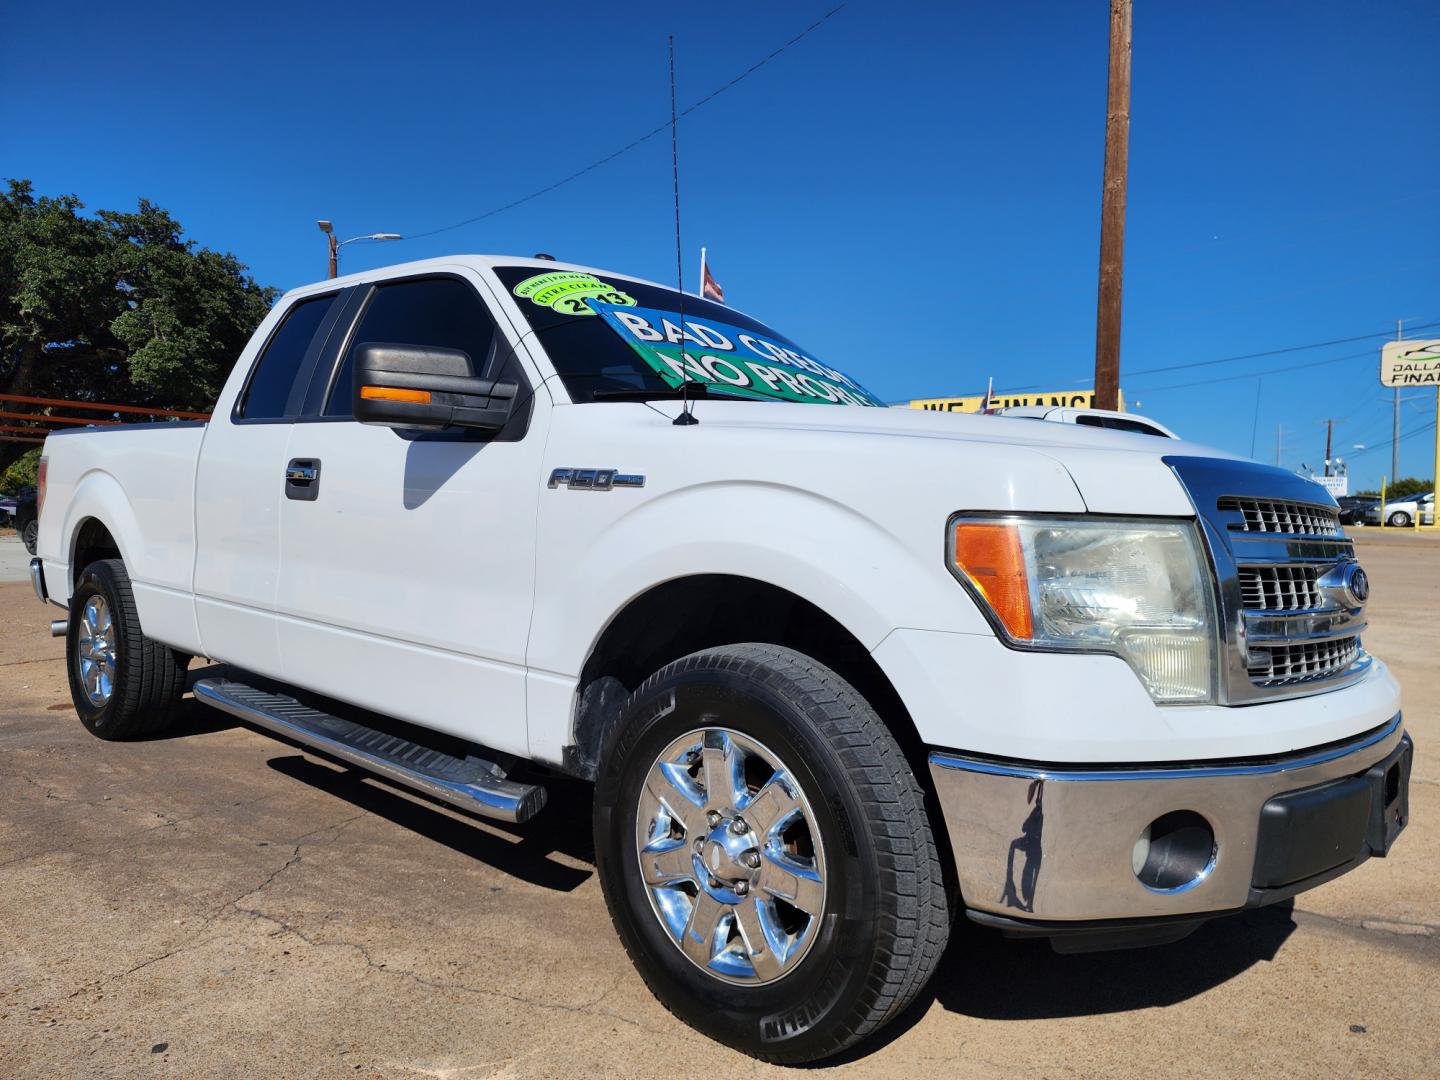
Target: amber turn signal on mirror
394	393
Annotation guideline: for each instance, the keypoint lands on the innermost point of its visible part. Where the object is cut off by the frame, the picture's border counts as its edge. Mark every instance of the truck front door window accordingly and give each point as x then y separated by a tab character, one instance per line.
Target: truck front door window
442	312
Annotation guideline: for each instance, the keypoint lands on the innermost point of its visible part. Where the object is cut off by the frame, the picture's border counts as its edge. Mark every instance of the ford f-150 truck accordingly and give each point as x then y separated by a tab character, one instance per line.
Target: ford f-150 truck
839	673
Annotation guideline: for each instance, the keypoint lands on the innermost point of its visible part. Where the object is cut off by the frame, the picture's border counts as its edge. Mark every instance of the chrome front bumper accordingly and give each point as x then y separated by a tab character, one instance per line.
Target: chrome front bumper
1047	843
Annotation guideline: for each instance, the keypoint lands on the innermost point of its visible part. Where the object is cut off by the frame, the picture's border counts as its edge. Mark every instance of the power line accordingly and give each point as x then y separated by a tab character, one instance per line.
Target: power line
1421	430
658	129
1253	374
1228	359
1273	352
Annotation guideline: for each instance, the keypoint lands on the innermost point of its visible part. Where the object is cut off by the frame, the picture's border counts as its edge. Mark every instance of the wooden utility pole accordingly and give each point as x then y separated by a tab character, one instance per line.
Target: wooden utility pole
1112	210
1329	439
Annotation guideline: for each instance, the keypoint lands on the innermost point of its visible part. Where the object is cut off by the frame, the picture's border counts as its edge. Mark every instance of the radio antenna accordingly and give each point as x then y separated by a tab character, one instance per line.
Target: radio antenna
687	415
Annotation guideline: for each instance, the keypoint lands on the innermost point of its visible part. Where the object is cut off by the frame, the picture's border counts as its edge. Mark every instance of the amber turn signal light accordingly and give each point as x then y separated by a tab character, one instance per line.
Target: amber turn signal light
989	554
394	393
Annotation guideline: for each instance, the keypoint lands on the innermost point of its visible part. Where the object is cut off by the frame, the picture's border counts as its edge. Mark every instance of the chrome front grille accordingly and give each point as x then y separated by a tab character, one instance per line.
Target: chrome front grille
1289	625
1281	516
1304	661
1294	587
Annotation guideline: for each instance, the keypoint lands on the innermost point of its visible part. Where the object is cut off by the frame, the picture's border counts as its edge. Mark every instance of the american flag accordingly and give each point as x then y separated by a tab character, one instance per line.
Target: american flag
709	288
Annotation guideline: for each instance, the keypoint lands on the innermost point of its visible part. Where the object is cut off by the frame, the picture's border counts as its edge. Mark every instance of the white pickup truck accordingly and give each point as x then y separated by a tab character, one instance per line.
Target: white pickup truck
839	673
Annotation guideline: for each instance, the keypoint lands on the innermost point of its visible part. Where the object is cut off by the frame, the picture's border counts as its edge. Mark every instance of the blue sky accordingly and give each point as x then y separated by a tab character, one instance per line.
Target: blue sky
912	192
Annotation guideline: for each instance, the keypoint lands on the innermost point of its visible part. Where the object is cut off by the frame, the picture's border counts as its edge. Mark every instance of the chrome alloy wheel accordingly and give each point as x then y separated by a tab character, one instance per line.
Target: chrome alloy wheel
95	650
733	862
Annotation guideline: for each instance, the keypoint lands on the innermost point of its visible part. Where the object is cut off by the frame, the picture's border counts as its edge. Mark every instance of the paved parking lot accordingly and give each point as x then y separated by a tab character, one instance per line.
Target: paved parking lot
14	559
216	904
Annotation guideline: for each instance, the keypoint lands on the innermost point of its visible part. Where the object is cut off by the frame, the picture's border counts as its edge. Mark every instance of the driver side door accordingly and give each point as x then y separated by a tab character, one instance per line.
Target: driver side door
407	566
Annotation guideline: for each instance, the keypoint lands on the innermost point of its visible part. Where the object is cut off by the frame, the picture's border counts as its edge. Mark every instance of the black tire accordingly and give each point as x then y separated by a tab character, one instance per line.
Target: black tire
885	921
1400	520
30	535
149	678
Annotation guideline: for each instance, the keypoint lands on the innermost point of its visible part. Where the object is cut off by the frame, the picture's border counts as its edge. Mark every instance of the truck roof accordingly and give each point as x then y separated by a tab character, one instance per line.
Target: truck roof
477	262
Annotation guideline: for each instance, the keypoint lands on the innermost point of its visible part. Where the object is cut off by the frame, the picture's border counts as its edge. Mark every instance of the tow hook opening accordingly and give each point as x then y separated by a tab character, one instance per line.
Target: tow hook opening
1175	852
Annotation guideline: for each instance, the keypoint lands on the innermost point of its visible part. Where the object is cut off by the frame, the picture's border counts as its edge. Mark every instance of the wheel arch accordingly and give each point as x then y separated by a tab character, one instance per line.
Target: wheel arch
90	540
687	614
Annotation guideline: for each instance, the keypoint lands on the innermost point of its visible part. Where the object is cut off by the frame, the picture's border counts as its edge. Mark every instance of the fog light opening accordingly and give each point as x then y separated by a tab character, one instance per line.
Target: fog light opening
1176	852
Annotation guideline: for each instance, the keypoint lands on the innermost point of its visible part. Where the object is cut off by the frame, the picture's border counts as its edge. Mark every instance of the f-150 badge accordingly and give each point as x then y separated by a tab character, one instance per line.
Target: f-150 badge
594	479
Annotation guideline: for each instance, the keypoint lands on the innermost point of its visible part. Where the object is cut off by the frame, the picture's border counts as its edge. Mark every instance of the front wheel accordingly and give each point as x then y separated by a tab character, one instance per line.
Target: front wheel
30	535
766	855
1400	519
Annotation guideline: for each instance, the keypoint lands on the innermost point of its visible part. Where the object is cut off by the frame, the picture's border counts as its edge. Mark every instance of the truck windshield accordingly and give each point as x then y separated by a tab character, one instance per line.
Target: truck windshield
614	339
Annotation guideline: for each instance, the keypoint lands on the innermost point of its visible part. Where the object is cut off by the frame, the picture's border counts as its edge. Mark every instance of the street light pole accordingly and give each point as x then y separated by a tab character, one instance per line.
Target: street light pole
336	245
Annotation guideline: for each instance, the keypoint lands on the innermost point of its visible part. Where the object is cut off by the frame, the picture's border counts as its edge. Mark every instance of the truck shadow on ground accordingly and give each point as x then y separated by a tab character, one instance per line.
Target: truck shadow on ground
192	718
990	977
1042	984
522	851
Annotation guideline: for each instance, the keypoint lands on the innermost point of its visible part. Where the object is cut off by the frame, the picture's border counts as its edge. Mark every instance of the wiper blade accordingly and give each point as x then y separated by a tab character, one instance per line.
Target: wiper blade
651	393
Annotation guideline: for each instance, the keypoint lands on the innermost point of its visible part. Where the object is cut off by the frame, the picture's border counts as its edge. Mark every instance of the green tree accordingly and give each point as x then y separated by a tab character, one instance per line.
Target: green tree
117	307
22	472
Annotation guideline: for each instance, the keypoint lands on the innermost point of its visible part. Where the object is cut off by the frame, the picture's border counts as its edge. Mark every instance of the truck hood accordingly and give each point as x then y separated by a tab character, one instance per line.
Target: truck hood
1115	472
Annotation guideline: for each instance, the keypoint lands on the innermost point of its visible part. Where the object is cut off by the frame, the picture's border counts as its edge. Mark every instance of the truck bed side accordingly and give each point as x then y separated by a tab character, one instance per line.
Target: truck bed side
137	482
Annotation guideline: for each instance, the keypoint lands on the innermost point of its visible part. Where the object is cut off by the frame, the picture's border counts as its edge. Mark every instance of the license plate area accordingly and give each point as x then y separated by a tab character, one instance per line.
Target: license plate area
1310	831
1390	798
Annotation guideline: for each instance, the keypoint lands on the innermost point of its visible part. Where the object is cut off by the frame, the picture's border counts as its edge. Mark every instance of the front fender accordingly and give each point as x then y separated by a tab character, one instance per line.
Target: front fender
851	567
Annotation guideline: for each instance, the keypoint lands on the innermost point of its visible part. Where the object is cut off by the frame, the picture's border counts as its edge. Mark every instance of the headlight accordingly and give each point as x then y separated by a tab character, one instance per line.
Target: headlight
1138	590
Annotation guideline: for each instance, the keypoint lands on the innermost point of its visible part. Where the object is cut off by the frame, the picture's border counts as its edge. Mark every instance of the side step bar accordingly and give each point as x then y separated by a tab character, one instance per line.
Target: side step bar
471	783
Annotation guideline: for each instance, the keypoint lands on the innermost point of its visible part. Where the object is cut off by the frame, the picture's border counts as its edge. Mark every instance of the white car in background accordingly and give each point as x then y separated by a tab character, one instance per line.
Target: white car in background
1101	418
1402	513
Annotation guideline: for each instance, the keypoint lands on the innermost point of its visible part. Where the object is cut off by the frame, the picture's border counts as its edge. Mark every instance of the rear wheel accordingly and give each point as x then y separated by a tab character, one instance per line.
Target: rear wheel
122	683
765	853
1400	519
30	535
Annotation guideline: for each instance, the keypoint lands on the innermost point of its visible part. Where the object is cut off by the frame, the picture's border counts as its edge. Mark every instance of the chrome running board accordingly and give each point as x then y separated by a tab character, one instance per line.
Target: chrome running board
471	783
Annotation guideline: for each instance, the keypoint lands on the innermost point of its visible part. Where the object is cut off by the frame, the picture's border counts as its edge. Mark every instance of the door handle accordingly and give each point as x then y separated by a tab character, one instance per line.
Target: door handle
302	479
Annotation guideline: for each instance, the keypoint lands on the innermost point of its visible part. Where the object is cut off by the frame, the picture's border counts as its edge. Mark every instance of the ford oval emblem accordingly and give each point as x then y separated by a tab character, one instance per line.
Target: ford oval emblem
1359	584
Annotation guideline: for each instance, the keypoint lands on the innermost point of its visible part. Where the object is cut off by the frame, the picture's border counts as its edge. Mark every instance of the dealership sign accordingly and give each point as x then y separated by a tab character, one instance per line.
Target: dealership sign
1335	485
1410	363
1065	399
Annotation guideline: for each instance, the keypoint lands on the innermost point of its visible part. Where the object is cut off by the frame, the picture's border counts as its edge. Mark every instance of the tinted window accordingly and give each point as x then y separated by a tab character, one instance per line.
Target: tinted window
274	375
441	312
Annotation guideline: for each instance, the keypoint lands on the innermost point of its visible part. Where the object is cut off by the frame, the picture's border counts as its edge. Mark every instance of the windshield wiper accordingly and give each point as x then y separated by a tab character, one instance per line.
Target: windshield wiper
652	393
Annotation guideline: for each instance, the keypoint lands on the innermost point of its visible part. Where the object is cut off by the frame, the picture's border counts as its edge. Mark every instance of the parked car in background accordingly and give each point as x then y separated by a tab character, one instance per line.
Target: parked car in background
1101	418
7	509
1354	507
25	518
1402	513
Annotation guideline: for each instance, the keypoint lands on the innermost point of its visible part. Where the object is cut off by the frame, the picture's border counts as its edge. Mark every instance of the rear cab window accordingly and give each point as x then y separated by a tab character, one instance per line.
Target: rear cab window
1115	423
609	335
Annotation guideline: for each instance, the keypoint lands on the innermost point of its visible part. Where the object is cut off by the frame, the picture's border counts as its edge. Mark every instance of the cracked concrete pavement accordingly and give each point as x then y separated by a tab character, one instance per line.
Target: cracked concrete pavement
214	903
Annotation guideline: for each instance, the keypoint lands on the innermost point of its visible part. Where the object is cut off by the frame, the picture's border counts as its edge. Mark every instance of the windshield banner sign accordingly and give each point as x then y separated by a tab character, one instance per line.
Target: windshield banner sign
726	359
